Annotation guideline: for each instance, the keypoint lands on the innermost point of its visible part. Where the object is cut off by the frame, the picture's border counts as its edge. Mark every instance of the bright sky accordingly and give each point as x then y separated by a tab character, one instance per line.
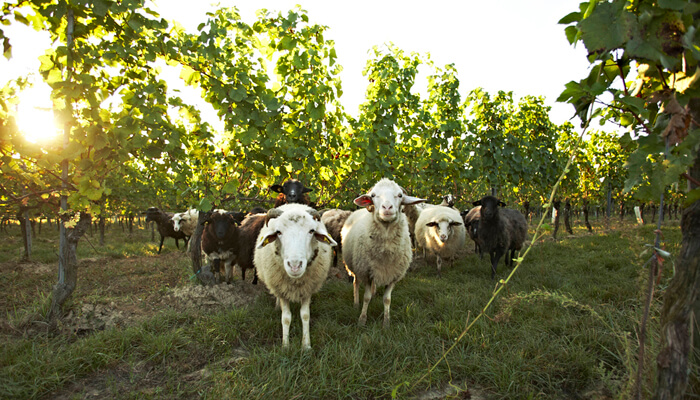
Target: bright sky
511	45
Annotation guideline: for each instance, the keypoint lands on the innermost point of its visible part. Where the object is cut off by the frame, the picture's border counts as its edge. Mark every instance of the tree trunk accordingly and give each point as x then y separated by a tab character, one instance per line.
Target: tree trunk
608	210
585	215
203	273
102	230
622	210
25	228
680	304
69	260
567	217
681	309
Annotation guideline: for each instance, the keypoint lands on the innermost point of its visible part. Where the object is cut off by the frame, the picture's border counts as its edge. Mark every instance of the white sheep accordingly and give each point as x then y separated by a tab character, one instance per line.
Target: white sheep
292	259
440	231
186	221
376	243
333	220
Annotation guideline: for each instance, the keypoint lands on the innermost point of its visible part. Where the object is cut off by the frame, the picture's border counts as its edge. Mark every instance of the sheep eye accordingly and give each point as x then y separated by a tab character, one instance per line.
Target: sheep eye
400	195
372	195
312	231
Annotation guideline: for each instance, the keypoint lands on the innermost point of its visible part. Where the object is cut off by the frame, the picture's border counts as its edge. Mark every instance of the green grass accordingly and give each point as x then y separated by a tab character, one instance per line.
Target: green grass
563	328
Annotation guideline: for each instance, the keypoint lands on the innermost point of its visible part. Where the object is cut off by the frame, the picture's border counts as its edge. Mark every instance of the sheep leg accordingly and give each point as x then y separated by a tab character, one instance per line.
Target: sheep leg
439	266
286	321
356	291
495	258
255	277
215	268
162	238
305	315
228	267
387	304
510	253
177	243
187	241
369	291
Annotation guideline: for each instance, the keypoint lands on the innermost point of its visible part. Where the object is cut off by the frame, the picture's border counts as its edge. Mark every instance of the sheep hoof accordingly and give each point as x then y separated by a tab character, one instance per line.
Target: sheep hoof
362	321
386	324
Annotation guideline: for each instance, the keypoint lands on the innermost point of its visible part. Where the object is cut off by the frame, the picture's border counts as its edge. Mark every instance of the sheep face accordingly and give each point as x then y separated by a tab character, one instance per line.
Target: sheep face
177	218
220	224
296	233
152	213
448	200
385	200
238	216
442	229
489	206
292	189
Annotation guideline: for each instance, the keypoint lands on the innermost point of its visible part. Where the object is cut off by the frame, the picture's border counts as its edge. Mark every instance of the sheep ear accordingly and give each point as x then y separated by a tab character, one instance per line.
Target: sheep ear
455	223
314	214
431	223
276	188
364	201
325	238
476	203
267	240
272	213
502	204
307	190
408	200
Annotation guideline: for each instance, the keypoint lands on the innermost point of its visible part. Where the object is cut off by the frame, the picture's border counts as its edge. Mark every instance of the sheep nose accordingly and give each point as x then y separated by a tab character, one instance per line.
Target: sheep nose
387	206
294	265
443	237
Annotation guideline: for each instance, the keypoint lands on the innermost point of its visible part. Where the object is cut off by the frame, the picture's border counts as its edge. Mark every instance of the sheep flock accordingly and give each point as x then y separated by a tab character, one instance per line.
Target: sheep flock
292	246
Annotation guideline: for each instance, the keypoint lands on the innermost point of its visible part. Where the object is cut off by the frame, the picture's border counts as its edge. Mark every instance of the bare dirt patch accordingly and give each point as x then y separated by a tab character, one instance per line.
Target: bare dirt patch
219	296
119	292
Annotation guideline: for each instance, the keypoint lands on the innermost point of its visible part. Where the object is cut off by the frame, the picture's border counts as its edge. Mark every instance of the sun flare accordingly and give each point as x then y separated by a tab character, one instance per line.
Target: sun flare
35	116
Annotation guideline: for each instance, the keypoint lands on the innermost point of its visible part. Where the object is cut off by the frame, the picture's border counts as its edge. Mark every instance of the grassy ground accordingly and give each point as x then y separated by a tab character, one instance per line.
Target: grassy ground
564	327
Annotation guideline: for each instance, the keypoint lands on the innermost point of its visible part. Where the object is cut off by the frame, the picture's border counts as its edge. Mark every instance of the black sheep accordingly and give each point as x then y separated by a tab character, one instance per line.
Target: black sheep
220	242
471	223
292	191
238	216
257	210
500	232
247	240
166	226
